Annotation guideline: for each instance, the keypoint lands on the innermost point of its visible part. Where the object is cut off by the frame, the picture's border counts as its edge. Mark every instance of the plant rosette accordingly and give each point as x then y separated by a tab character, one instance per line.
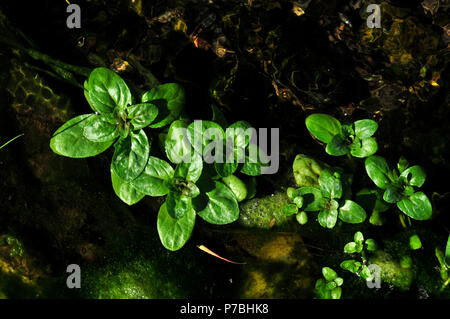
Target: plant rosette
327	201
117	120
329	287
400	186
355	138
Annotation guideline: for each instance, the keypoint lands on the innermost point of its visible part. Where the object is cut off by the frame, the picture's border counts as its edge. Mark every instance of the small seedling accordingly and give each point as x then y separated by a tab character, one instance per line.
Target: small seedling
399	186
359	246
355	139
329	287
327	201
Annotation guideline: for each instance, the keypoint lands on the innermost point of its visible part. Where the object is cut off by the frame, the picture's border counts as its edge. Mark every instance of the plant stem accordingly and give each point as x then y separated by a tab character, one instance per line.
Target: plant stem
11	140
58	64
402	220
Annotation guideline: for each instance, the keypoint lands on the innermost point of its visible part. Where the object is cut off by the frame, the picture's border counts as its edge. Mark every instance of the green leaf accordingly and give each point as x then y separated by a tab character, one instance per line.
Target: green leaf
358	237
124	190
222	207
414	242
236	132
339	281
323	127
393	194
351	265
321	289
327	217
302	218
352	213
141	115
203	135
105	90
320	283
347	130
298	201
363	147
174	233
336	293
329	274
415	175
417	206
177	146
226	169
100	128
330	185
378	170
154	179
365	273
184	187
365	128
377	219
402	164
169	98
290	209
408	190
371	245
70	141
177	205
251	185
337	146
237	186
312	198
372	200
350	248
131	155
331	285
255	161
190	171
124	129
447	253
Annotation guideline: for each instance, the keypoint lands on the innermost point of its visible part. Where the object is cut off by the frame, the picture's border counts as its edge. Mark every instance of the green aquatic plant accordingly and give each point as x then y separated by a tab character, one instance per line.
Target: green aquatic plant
415	242
193	186
329	287
444	262
120	121
361	247
399	185
372	201
353	139
209	190
328	200
447	253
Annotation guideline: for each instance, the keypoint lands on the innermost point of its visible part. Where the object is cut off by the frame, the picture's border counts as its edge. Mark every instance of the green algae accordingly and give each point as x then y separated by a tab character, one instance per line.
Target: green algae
307	171
265	212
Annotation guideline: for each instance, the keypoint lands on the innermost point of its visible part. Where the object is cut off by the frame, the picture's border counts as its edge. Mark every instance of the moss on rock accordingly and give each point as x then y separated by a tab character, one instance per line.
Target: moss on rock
307	171
265	213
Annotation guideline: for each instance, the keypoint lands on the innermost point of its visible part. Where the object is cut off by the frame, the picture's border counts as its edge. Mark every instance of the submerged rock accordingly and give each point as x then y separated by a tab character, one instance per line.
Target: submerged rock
399	274
307	171
265	213
20	277
280	266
